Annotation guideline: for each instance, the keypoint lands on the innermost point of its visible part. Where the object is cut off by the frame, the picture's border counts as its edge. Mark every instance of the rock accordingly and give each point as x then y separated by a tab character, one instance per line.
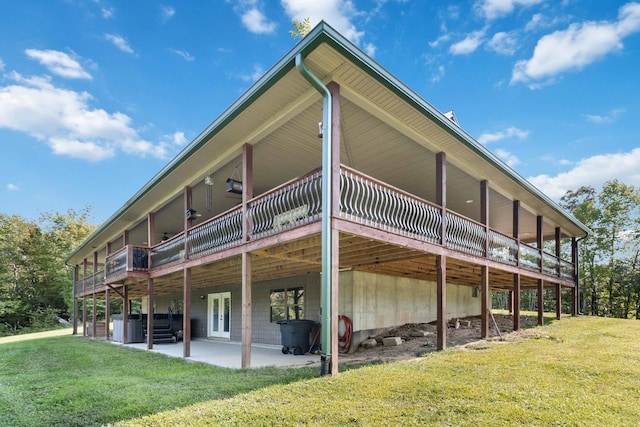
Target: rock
369	343
465	323
391	341
416	333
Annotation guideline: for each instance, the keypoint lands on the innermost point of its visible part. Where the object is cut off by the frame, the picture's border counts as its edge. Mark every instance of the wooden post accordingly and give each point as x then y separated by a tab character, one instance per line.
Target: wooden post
574	291
75	300
540	241
125	315
150	298
516	302
246	310
441	322
107	313
484	213
94	316
540	302
336	132
558	301
441	193
186	317
486	302
247	194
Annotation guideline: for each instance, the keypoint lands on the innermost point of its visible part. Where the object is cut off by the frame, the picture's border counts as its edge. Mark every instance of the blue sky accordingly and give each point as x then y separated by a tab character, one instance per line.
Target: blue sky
97	95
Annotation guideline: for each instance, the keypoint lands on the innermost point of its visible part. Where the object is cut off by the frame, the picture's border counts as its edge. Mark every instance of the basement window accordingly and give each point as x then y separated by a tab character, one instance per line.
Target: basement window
287	304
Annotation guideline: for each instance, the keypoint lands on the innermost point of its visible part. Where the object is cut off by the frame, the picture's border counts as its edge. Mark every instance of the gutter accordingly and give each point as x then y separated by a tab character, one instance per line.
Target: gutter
326	251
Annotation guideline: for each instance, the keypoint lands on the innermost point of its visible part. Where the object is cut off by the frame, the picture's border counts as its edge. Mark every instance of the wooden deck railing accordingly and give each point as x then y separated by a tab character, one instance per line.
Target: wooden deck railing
363	200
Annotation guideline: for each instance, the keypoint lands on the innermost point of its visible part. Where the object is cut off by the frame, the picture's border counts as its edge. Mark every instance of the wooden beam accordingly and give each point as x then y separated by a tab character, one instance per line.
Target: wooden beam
441	193
540	302
485	294
516	302
441	302
558	301
150	313
484	213
336	134
75	300
125	316
107	313
246	310
186	317
94	317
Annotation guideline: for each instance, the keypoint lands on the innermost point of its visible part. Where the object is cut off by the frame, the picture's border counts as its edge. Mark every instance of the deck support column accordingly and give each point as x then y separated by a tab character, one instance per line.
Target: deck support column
558	301
575	291
516	301
125	315
246	310
75	300
247	194
540	302
186	316
441	303
486	301
94	316
107	313
150	313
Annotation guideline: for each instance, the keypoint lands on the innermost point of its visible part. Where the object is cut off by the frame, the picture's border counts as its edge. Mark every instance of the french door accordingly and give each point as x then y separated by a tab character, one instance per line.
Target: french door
219	315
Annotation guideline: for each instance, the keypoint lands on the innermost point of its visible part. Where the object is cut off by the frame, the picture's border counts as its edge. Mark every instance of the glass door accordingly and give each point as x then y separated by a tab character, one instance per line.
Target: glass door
219	315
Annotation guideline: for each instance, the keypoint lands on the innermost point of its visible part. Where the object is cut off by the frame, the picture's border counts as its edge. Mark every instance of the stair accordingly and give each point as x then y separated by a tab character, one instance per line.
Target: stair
162	334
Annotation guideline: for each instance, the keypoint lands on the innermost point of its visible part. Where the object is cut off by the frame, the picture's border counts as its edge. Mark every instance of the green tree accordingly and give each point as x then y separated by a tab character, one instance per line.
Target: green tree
300	28
35	285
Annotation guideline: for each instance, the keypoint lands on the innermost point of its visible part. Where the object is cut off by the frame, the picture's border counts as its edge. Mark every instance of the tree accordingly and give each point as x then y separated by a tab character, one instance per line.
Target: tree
35	285
608	267
300	28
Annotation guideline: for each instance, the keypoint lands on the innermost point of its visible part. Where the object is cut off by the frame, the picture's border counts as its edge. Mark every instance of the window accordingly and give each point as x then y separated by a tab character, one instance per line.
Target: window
287	304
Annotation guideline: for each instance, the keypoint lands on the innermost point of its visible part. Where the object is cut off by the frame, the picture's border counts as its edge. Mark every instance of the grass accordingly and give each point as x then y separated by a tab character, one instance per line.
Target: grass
578	371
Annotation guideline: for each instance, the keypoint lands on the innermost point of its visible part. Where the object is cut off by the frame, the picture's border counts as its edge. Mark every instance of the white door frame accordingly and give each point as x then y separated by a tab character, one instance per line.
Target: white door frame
219	328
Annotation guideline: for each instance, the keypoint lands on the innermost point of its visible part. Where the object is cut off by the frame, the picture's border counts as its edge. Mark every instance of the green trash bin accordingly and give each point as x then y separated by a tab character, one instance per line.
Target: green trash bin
295	335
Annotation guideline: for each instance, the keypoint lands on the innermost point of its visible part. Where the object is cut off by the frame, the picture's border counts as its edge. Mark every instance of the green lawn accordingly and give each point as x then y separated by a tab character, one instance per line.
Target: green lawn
578	371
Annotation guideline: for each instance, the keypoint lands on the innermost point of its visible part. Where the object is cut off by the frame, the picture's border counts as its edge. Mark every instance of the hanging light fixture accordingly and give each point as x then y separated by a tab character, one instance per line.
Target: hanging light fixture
208	181
234	185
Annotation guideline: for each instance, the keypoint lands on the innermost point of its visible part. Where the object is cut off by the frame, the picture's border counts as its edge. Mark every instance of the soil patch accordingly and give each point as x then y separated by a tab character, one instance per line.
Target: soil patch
463	336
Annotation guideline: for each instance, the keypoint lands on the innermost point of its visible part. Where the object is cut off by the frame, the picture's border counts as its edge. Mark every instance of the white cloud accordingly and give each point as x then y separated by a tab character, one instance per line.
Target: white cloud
469	44
119	42
59	63
577	46
439	74
510	132
503	43
13	187
64	120
176	138
184	54
256	22
492	9
442	39
593	171
257	72
507	157
337	13
167	12
107	12
607	118
1	65
370	48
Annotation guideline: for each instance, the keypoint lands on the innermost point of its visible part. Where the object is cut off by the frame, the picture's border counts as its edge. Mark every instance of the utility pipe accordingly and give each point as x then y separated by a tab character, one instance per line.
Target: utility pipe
326	251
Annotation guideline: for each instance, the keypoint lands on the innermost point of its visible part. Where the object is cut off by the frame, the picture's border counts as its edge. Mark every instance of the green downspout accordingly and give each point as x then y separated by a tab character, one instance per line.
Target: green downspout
327	173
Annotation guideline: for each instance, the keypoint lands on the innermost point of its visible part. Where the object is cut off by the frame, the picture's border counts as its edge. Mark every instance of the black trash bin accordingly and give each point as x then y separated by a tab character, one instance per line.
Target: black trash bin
295	335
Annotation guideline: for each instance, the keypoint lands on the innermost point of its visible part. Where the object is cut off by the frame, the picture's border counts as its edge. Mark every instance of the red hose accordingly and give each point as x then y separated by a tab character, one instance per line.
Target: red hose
344	341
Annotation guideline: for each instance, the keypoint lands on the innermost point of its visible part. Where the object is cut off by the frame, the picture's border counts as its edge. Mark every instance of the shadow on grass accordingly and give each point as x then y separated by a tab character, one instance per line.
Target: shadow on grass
73	381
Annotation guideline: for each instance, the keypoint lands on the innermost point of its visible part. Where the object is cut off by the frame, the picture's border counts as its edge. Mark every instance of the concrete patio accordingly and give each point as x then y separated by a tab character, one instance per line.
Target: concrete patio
228	354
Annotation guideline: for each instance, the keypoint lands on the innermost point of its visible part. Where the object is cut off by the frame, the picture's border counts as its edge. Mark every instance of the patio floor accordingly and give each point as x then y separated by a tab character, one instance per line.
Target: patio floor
228	354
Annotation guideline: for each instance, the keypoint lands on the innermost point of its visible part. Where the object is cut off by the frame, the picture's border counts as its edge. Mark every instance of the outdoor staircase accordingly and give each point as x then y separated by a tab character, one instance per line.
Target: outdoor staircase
162	329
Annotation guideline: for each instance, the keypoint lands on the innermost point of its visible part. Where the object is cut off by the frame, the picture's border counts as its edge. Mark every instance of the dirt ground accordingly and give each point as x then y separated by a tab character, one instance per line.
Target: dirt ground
413	347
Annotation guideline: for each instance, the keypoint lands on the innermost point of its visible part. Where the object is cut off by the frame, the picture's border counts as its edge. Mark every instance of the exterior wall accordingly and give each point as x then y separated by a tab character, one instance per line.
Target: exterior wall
376	302
372	302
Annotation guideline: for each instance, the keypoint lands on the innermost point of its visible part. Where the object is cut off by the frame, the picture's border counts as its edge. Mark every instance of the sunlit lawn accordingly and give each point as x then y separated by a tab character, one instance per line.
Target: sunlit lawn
578	371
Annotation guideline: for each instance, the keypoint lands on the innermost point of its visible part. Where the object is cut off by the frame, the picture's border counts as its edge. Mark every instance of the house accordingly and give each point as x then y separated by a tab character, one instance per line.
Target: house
328	189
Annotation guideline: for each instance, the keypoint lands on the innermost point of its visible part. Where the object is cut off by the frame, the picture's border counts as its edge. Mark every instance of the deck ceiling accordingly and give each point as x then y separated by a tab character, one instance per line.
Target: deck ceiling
382	134
302	257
